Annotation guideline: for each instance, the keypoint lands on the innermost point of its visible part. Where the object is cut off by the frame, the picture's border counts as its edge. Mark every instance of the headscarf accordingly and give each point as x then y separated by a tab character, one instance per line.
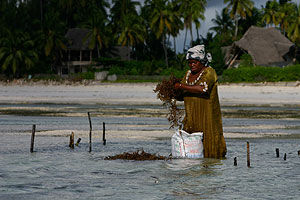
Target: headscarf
198	53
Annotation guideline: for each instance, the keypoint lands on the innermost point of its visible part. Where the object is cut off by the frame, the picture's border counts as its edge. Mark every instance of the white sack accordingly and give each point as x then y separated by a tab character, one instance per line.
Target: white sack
185	145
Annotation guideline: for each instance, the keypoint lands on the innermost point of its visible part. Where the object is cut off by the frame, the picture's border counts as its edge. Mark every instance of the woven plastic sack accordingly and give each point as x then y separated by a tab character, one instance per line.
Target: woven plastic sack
185	145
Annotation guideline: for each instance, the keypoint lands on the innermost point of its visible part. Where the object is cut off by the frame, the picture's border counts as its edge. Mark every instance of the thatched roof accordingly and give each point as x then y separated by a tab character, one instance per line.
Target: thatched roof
77	39
266	46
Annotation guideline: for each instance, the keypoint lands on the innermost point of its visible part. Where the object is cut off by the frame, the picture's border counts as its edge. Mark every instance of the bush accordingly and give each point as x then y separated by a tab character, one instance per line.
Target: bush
82	76
178	73
116	70
261	74
246	61
138	68
127	68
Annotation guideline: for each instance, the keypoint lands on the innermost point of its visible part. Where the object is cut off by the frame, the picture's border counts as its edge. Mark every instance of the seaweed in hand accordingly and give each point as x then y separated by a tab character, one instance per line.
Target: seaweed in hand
167	94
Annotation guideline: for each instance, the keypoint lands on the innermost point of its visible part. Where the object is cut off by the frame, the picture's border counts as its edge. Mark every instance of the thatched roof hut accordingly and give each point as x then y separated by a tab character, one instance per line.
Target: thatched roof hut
77	39
266	46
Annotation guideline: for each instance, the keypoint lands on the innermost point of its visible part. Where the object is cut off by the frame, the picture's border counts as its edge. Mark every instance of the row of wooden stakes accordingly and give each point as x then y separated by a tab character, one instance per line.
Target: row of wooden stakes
248	155
71	144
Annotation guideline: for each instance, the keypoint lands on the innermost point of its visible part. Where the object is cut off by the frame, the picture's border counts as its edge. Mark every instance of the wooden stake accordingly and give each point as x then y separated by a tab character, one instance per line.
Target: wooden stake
71	145
32	138
90	132
277	152
104	140
284	158
235	161
248	154
77	143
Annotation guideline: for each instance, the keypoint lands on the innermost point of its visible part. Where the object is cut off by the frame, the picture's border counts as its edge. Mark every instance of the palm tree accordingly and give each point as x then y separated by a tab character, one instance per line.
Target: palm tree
70	8
254	20
224	25
281	2
120	9
16	52
176	26
176	23
42	10
284	15
294	27
51	39
208	39
132	32
192	11
97	24
238	8
271	12
200	6
161	22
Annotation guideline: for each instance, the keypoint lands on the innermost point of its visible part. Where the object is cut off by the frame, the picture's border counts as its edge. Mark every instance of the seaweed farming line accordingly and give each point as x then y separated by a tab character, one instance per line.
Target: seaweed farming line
71	143
138	155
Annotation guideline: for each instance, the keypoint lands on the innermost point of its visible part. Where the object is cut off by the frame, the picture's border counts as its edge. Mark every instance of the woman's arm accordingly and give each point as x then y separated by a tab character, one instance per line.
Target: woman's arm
206	83
190	88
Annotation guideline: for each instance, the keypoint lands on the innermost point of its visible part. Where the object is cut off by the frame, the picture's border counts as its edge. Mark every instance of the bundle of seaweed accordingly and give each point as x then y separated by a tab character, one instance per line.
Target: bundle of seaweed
137	155
168	94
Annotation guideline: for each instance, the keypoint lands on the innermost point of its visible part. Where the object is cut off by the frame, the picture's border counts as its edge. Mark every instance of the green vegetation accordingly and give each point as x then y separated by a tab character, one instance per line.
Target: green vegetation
35	43
246	61
262	74
80	76
144	68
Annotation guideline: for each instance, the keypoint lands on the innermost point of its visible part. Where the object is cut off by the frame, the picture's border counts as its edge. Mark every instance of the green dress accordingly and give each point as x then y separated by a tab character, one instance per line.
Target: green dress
203	114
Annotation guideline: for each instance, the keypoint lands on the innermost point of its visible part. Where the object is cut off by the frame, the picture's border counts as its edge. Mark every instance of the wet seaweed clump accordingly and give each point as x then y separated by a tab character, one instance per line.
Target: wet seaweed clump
137	155
168	95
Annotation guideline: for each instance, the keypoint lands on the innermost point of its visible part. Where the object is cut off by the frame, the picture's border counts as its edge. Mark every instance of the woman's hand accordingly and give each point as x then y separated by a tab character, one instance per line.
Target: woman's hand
177	86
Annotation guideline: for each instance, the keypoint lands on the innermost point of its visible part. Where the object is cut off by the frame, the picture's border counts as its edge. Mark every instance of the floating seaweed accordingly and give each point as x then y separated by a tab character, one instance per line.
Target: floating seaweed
168	94
137	155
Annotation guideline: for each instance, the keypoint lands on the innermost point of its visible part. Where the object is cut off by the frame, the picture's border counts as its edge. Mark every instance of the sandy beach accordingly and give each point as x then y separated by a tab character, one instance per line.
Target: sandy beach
282	94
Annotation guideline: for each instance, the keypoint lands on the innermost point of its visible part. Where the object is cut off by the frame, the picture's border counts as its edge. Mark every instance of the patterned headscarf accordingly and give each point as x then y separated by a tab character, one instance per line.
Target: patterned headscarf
198	53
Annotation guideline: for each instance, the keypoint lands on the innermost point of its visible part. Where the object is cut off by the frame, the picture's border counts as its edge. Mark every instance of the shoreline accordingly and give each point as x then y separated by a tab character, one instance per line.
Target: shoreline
275	94
132	94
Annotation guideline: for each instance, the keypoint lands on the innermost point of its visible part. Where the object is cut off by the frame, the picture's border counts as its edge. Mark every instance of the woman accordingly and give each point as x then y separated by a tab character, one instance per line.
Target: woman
201	101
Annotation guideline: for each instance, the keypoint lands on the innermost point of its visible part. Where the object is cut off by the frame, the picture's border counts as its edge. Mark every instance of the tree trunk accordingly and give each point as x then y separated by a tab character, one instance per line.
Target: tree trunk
236	27
128	52
192	39
184	39
174	42
165	50
98	51
198	37
41	10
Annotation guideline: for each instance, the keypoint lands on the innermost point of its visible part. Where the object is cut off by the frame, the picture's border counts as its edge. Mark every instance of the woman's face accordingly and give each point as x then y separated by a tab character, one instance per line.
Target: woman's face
195	66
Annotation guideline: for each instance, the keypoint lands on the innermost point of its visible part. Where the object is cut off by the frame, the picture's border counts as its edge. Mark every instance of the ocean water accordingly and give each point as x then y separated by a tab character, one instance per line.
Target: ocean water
54	171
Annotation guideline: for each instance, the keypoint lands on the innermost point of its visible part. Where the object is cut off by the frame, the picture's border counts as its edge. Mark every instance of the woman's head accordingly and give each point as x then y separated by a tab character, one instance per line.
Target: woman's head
195	65
198	53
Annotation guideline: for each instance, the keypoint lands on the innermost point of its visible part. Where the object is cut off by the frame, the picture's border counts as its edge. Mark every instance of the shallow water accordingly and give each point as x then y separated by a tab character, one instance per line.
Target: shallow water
54	171
11	124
